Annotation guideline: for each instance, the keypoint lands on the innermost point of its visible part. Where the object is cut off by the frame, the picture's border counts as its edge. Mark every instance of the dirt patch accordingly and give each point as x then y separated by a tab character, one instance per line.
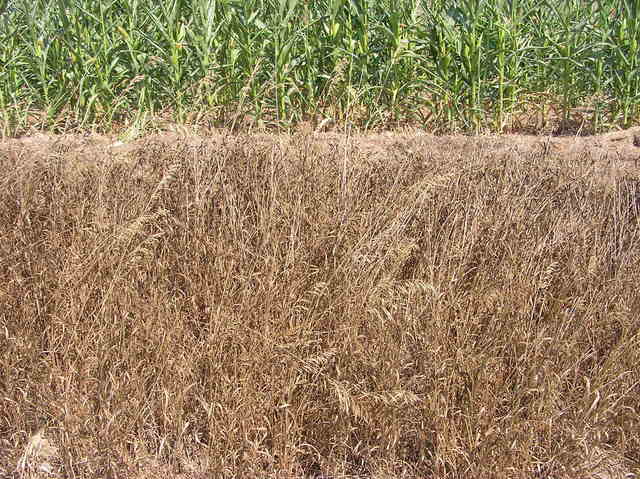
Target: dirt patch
604	157
622	146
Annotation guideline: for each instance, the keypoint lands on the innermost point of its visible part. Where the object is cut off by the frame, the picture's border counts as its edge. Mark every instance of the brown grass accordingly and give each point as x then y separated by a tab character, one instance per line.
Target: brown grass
305	308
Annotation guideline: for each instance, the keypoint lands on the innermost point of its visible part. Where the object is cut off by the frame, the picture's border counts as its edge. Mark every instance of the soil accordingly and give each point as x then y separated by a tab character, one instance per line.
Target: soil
620	147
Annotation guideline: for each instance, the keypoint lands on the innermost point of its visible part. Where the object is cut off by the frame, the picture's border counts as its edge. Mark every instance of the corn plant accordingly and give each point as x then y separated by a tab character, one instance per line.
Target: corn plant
624	43
443	65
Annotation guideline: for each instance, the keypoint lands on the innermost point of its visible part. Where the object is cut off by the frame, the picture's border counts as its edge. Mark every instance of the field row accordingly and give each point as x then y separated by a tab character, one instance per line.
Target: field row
463	65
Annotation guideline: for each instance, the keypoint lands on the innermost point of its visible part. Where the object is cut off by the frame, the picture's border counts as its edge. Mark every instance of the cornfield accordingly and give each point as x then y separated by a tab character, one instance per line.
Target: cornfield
461	65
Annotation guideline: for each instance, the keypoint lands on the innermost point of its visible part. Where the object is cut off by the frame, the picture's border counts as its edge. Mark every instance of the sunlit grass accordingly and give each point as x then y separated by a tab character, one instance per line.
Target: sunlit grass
308	306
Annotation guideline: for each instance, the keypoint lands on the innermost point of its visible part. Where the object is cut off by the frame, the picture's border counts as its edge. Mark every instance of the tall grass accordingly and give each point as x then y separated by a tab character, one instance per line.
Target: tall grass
299	308
446	65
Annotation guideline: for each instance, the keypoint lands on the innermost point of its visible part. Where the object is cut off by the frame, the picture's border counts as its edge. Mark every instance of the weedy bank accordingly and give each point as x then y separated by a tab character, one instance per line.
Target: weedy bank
328	307
468	65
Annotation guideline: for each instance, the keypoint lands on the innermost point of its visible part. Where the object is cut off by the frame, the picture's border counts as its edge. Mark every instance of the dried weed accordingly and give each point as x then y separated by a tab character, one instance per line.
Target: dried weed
254	308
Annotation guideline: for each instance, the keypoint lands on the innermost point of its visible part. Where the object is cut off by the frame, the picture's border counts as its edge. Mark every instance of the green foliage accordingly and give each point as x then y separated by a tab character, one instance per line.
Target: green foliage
462	64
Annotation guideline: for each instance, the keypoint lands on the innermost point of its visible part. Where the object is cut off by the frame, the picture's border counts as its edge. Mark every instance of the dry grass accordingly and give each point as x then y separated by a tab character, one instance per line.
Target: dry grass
302	308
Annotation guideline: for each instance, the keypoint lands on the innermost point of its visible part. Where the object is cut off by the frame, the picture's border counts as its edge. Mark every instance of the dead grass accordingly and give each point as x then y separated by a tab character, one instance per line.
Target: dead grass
303	307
